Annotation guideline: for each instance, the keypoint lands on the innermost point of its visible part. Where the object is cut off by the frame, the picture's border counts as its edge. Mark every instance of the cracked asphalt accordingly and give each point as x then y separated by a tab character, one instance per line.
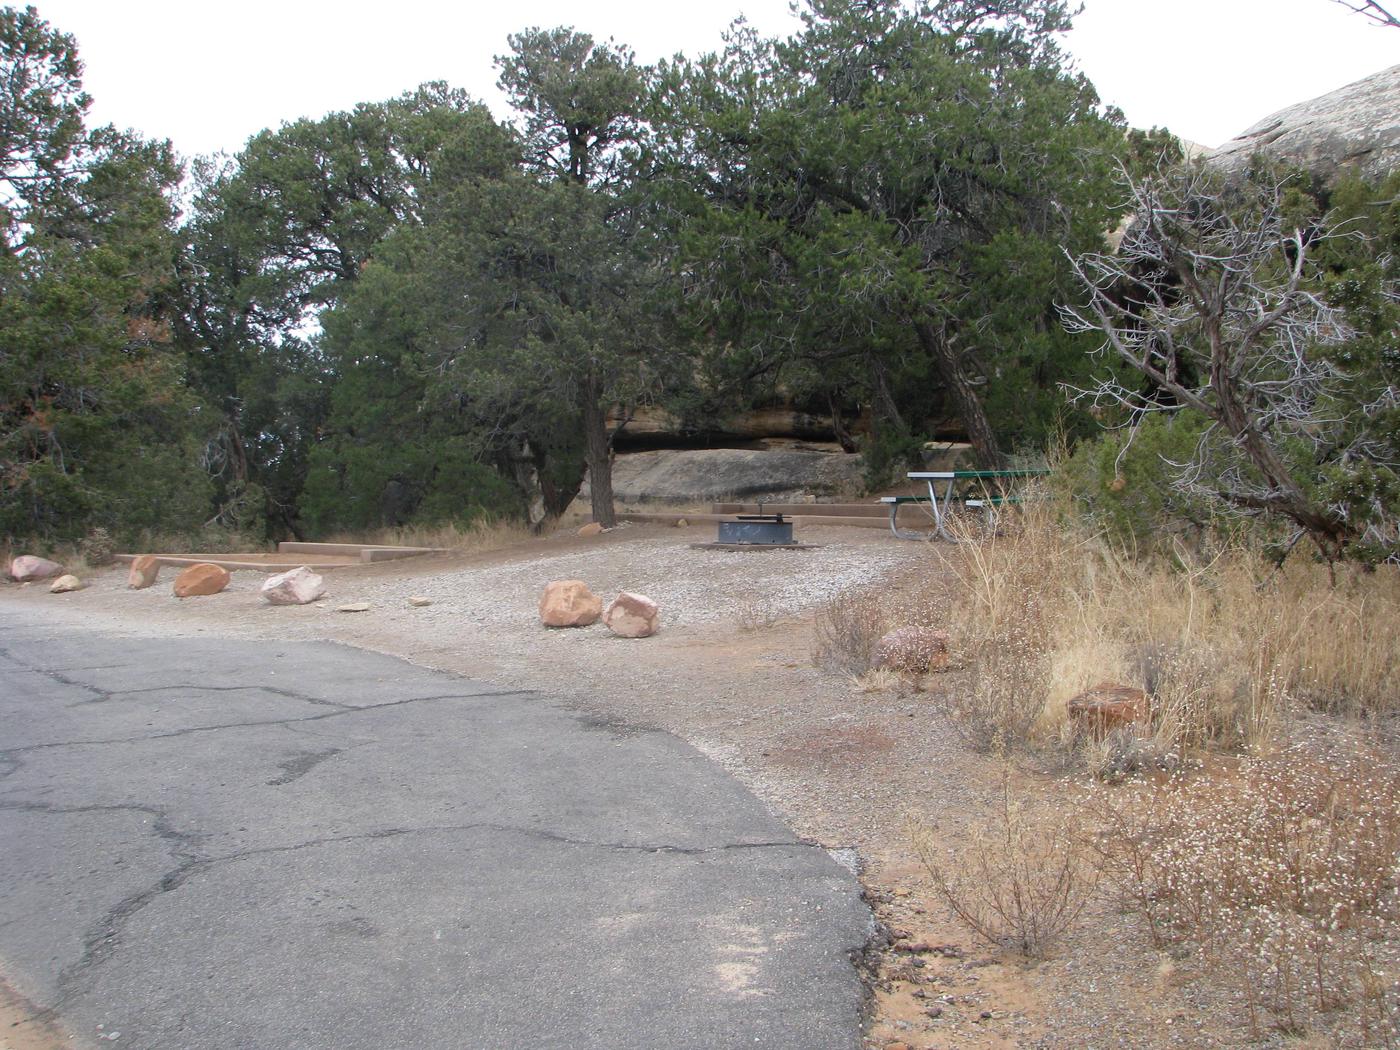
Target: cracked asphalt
210	843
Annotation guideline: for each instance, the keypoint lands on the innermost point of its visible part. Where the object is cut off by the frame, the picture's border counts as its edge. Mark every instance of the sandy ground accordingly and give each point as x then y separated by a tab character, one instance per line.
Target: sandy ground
731	672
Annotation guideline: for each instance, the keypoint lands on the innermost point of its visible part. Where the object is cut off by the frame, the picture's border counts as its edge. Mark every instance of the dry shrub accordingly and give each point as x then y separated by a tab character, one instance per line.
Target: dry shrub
1282	878
1019	884
755	612
845	631
1227	647
97	548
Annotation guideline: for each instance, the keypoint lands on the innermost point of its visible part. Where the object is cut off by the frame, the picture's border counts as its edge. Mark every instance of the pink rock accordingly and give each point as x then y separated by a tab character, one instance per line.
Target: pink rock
201	579
569	603
144	570
591	529
912	649
299	586
27	568
633	616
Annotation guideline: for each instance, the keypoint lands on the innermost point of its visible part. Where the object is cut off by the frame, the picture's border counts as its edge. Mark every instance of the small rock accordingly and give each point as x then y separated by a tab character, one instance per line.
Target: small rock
935	1012
591	529
633	616
64	584
681	523
1108	706
912	649
144	570
299	586
985	1015
353	607
419	602
27	568
202	579
569	603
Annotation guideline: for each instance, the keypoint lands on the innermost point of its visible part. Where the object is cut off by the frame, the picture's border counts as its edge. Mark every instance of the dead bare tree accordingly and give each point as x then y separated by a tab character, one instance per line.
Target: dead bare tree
1209	298
1369	9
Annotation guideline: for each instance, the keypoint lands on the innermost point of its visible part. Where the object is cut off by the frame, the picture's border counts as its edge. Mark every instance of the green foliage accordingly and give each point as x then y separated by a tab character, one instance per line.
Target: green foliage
279	234
97	427
877	206
352	486
1115	481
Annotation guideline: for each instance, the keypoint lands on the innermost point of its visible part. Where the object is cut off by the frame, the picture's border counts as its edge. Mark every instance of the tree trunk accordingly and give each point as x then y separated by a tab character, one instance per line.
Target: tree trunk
965	399
838	425
598	452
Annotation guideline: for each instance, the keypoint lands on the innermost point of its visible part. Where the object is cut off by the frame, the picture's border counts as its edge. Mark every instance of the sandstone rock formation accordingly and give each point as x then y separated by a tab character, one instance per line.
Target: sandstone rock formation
28	568
299	586
913	650
144	570
633	616
1355	128
201	579
707	475
591	529
1108	706
64	584
569	603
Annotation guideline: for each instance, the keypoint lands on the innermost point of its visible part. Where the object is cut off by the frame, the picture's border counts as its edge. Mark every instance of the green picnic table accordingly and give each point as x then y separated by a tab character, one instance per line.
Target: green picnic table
957	486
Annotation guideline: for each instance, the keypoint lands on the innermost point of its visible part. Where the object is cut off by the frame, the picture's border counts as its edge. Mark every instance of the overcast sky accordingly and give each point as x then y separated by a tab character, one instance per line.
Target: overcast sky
209	75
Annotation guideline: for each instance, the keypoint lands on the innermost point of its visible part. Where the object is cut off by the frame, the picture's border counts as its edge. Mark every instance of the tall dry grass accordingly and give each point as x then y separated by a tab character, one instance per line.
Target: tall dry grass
480	535
1227	647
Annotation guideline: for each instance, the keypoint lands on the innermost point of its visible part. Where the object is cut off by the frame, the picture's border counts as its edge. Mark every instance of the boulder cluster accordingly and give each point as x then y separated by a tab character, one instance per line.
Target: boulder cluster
569	603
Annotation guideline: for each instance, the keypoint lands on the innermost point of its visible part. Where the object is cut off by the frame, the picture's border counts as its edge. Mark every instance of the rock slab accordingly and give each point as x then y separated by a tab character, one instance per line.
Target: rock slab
202	579
633	616
913	650
299	586
569	603
1355	128
144	570
1108	706
28	568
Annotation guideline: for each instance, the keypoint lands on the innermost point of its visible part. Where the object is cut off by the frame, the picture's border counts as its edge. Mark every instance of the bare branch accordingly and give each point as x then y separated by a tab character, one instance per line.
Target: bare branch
1375	12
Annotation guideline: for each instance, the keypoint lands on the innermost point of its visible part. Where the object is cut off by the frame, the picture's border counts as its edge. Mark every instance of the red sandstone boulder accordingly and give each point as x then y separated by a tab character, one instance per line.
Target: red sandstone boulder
633	616
569	603
1108	706
144	570
201	579
913	650
27	568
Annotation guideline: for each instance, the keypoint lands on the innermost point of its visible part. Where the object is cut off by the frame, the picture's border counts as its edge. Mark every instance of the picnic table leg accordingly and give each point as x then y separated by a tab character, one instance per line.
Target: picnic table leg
940	515
902	534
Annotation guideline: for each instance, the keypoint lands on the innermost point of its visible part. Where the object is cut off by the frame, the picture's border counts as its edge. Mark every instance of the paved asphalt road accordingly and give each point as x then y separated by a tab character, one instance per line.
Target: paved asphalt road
220	844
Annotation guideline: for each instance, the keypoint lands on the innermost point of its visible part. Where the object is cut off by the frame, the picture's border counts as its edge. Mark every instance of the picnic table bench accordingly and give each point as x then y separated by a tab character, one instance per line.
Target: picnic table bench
981	489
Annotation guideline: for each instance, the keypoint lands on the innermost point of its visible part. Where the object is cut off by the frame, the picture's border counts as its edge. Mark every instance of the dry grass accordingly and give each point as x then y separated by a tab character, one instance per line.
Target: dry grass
481	535
1280	878
1226	648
